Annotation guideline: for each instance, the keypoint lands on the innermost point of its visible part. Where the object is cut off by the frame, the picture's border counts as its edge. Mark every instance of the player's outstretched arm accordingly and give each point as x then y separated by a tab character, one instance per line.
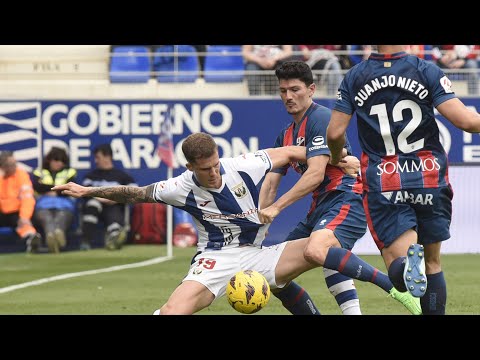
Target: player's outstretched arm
459	115
121	194
281	156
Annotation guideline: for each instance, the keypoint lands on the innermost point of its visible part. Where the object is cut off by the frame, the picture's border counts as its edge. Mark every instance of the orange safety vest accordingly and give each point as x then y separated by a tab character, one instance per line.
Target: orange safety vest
16	194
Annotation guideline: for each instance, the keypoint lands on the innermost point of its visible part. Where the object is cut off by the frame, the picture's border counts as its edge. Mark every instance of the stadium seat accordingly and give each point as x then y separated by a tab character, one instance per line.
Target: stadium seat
224	63
9	241
181	68
6	231
130	68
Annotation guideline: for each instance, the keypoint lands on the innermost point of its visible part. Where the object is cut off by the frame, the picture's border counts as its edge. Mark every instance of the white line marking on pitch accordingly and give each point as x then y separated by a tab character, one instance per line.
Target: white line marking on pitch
84	273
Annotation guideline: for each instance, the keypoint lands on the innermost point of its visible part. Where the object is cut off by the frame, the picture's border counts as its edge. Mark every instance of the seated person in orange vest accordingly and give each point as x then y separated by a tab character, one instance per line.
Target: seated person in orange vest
17	201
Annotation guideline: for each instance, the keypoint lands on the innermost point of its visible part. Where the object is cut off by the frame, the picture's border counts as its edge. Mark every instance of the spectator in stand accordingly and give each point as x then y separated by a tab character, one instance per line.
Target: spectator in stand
322	57
16	201
264	57
96	208
54	211
454	57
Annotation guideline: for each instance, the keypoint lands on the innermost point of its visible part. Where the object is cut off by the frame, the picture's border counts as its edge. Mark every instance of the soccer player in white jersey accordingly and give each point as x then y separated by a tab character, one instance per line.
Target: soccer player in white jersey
222	196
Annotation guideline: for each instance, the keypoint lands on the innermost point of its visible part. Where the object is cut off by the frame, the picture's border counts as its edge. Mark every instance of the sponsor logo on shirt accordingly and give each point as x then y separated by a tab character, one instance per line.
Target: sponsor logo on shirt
318	140
230	216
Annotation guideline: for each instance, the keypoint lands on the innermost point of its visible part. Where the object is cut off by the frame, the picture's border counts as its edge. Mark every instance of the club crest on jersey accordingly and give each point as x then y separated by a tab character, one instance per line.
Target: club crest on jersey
300	141
239	190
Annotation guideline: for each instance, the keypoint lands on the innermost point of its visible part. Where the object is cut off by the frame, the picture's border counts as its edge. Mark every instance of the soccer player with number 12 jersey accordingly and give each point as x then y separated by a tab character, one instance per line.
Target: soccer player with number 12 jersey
406	195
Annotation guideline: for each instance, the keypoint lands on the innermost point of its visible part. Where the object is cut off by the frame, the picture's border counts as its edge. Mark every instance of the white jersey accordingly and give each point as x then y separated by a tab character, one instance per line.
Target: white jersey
225	217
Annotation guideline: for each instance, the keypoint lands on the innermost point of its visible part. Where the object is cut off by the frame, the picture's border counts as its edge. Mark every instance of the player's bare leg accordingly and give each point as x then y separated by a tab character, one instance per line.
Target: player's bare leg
188	298
292	263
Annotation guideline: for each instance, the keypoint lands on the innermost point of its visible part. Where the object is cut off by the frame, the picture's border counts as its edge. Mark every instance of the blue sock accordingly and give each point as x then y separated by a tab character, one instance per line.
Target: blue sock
296	300
395	273
344	291
349	264
435	299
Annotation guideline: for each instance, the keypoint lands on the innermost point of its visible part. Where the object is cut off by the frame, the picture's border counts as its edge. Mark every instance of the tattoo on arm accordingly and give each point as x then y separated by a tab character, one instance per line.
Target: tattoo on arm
124	194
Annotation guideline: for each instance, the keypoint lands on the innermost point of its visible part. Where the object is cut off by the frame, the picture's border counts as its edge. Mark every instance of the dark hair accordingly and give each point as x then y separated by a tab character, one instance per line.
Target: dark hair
295	69
4	155
105	149
56	153
198	146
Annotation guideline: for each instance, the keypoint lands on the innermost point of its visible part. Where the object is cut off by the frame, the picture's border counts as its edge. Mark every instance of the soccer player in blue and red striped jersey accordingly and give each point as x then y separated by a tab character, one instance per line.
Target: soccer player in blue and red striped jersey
336	219
407	195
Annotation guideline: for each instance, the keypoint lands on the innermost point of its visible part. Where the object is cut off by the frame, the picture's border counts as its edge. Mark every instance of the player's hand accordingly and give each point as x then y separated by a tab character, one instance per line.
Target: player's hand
350	165
267	215
334	160
71	189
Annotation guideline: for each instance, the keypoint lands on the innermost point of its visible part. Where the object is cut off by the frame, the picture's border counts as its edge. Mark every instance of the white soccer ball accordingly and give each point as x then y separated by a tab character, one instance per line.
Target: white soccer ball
248	291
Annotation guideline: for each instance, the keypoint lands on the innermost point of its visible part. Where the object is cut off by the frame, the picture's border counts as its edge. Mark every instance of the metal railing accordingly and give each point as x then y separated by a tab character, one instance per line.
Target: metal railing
259	82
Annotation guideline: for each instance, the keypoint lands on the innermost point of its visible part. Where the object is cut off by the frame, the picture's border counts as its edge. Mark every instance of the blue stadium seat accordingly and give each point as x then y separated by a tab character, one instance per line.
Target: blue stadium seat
182	68
7	231
135	68
227	67
9	241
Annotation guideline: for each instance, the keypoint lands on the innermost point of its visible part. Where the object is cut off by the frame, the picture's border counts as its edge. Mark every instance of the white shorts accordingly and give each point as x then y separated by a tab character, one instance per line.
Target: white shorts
215	268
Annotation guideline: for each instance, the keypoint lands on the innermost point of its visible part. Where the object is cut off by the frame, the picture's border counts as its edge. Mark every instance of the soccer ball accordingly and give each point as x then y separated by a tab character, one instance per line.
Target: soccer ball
248	291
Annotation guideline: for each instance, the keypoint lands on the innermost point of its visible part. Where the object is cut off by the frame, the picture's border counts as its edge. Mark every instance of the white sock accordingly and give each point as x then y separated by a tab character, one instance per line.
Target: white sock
156	312
351	307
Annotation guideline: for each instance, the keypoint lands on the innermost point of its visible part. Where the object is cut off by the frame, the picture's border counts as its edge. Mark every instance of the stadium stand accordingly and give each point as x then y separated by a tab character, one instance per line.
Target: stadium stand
224	63
182	66
82	71
130	64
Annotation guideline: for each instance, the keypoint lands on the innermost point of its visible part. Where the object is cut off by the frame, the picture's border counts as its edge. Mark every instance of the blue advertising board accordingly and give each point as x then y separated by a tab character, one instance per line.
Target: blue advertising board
31	128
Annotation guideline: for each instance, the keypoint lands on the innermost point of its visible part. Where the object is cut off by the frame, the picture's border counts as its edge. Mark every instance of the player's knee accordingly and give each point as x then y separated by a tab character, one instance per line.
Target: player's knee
315	254
168	309
395	273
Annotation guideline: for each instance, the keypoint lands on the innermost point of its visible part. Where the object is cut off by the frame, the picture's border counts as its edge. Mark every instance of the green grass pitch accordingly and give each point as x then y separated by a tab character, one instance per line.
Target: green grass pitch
139	291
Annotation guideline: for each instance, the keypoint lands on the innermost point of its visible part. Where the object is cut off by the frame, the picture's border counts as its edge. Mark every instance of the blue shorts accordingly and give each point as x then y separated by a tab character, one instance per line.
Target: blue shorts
342	212
391	213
